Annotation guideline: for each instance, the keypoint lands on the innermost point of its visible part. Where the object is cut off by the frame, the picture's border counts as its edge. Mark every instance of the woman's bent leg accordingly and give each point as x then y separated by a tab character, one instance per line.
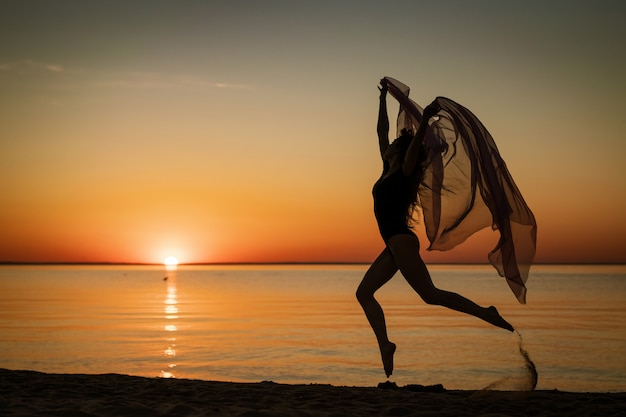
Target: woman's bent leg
405	249
378	274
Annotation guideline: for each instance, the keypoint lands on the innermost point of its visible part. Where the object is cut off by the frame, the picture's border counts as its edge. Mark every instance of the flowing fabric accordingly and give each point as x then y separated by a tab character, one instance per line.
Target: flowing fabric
467	187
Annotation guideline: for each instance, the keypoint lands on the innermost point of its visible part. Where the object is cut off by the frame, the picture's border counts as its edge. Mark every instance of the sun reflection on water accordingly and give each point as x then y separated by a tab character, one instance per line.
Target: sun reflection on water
171	314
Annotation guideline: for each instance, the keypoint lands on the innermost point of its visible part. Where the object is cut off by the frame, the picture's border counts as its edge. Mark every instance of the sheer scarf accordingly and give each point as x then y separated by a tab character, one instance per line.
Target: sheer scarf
466	187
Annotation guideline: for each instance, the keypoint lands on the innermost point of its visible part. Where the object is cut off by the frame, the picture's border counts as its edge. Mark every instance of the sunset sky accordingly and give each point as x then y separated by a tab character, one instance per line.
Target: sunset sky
245	131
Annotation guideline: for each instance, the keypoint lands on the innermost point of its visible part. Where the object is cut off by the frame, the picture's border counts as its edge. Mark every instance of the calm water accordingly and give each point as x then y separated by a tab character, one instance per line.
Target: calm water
302	324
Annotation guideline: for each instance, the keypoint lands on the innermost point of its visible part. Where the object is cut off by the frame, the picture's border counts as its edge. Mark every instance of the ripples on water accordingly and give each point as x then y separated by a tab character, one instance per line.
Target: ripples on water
302	324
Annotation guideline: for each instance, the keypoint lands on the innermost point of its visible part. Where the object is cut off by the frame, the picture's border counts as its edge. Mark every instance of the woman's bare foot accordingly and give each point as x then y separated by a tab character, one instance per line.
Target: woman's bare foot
496	319
387	355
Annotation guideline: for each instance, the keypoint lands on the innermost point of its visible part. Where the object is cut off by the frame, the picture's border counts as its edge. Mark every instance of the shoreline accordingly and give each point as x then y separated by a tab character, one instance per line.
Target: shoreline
28	393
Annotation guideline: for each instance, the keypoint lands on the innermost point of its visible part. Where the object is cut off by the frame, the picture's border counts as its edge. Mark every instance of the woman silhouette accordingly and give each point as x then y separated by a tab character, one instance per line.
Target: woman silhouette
395	197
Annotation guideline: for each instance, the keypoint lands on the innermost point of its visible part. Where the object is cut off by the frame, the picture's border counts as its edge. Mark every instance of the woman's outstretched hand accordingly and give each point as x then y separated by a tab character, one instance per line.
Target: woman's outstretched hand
383	87
431	110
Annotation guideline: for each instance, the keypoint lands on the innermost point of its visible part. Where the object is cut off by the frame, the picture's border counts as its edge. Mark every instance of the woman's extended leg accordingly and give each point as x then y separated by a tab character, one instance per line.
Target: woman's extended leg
378	274
405	249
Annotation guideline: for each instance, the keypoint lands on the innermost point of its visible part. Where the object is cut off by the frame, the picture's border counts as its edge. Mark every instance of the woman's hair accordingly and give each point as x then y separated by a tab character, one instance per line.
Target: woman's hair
405	139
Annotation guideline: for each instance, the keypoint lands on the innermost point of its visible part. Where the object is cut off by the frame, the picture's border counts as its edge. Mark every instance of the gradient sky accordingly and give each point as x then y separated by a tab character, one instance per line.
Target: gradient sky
245	131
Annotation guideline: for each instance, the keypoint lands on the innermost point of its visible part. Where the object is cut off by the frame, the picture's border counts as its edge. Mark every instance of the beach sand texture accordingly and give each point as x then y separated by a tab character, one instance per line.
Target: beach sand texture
28	393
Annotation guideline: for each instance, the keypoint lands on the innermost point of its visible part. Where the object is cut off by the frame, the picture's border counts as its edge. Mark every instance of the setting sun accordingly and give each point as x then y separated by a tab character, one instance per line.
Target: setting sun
170	261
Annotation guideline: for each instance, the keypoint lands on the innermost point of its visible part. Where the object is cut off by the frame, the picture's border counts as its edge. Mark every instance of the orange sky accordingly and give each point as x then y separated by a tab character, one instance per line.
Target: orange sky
217	133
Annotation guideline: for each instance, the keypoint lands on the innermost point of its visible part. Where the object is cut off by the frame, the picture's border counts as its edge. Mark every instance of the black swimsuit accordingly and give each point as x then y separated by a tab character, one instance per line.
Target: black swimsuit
392	199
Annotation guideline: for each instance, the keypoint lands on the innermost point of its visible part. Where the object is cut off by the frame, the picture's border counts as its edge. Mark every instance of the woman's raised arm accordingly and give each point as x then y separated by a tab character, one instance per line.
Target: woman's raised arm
383	120
412	154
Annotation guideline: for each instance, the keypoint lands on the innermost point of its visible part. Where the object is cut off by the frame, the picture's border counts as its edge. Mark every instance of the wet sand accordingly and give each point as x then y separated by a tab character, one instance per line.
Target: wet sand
28	393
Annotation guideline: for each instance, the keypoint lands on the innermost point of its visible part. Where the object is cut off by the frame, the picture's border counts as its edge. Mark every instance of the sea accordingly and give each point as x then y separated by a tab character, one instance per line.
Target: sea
301	324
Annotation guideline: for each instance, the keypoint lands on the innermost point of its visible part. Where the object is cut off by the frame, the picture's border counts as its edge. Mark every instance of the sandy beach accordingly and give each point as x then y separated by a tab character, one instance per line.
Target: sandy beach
28	393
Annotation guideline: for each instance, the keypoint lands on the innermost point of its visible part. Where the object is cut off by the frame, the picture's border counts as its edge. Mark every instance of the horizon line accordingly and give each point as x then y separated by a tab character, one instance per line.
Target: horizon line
43	263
